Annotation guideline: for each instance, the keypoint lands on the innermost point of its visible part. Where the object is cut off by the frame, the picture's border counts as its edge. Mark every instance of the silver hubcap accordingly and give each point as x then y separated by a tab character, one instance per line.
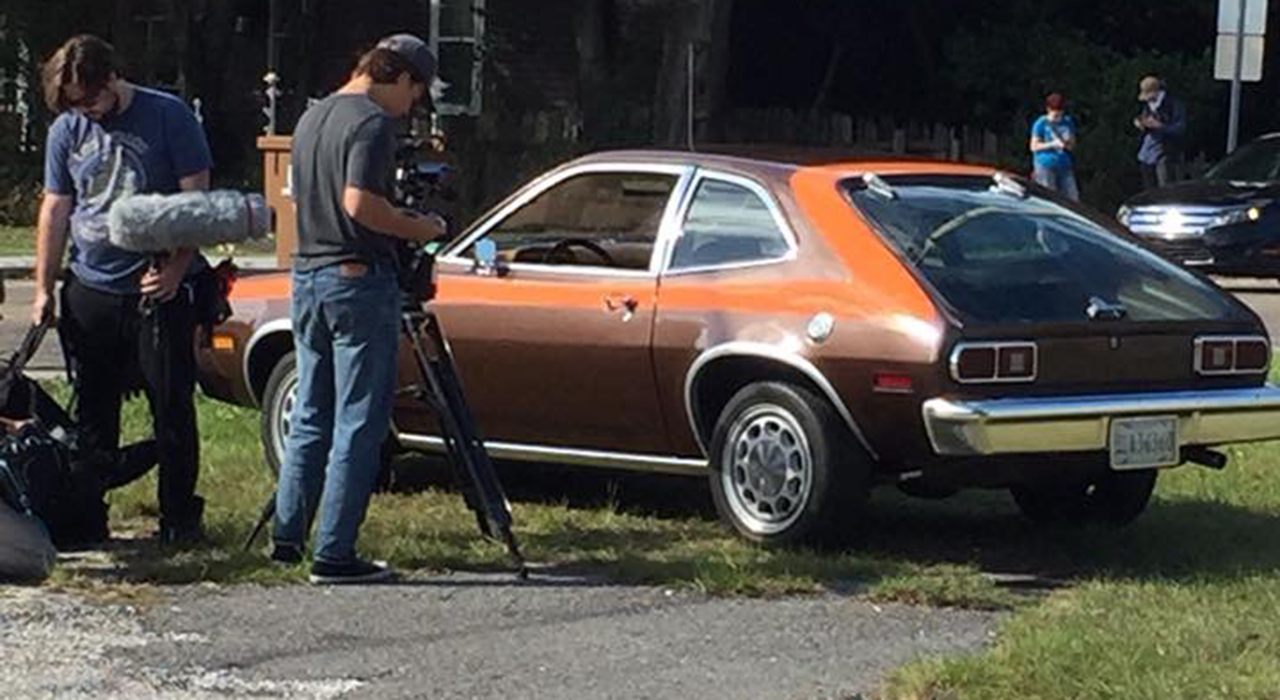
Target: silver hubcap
283	414
767	469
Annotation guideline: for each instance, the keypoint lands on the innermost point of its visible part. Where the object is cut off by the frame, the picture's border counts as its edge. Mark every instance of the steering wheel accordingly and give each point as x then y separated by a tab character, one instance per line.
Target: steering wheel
563	246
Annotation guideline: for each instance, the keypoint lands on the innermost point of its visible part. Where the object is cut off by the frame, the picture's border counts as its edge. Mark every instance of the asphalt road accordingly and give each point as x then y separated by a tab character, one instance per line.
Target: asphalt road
465	636
488	636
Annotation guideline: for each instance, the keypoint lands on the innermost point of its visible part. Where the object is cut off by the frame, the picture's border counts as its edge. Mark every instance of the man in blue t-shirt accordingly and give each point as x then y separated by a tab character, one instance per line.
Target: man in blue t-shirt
1053	137
126	318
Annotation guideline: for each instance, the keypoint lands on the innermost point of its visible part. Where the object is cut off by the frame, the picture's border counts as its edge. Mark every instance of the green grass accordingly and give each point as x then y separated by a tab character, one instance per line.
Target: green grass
21	240
629	529
17	240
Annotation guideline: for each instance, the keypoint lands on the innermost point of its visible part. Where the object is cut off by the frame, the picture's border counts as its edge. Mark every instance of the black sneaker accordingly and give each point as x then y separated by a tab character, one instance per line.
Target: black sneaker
182	537
287	554
354	571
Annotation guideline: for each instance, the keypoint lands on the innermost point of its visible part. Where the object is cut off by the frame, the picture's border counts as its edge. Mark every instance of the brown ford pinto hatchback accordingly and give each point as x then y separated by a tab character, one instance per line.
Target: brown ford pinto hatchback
801	332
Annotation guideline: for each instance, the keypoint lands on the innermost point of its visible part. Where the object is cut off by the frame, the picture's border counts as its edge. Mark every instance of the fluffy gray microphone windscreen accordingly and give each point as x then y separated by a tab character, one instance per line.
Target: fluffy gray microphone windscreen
151	223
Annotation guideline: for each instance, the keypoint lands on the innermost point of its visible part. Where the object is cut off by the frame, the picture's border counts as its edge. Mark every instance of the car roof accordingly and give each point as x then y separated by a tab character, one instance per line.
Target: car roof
779	160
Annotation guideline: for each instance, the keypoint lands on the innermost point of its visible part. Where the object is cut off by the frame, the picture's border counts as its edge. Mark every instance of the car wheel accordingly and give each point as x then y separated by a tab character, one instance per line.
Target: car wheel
1114	498
277	407
784	469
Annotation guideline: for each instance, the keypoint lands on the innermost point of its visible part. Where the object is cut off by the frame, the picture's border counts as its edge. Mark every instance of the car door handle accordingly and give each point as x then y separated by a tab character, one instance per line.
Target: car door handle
625	303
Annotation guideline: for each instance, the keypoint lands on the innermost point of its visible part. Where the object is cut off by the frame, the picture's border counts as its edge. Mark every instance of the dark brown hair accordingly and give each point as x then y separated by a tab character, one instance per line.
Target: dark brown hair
385	66
84	60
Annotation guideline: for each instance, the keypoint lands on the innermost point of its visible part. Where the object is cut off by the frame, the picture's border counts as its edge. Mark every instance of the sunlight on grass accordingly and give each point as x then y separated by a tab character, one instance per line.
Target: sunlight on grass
1182	605
432	530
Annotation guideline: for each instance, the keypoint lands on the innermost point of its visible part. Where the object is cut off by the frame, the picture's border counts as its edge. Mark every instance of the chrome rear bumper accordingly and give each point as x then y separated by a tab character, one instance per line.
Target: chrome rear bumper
1082	423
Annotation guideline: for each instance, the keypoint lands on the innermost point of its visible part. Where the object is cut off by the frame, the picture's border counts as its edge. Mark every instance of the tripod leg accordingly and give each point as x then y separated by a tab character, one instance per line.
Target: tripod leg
268	512
466	448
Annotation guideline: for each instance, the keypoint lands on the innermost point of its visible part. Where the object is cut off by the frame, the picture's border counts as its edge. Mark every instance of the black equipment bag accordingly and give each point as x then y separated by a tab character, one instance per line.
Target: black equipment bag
43	472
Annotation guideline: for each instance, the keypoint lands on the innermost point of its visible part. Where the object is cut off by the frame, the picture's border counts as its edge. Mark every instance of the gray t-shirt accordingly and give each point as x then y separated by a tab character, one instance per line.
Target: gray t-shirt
343	140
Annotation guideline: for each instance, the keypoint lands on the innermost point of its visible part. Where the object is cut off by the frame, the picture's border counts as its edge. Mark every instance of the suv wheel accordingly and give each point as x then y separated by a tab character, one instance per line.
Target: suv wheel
1113	498
784	469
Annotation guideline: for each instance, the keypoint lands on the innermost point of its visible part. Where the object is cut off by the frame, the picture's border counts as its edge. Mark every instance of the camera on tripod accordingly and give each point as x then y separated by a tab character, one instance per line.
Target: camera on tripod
420	185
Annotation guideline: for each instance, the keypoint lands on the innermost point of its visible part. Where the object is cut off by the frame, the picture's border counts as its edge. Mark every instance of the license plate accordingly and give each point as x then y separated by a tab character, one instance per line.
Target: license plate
1140	443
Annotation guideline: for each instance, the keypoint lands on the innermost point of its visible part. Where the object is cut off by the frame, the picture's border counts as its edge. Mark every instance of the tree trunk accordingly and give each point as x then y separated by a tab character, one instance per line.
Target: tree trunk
703	25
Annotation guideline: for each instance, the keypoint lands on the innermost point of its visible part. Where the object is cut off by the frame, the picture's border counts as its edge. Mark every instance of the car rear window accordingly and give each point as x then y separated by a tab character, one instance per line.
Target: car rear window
998	253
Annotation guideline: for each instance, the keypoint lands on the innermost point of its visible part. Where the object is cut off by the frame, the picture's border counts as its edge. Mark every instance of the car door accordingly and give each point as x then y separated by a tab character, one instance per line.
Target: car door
554	343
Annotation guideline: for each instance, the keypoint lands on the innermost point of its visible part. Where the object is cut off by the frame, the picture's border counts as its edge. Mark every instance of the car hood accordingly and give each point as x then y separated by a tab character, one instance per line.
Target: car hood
1207	192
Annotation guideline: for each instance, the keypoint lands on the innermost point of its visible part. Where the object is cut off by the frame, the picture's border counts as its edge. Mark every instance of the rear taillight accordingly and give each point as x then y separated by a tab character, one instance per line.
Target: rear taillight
1223	354
1013	361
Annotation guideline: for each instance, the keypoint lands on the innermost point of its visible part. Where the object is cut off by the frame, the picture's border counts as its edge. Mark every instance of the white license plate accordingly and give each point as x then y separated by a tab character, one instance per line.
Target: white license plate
1140	443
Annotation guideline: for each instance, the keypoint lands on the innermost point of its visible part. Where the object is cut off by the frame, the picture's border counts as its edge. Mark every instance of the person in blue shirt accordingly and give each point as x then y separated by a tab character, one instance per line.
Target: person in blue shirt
126	319
1053	137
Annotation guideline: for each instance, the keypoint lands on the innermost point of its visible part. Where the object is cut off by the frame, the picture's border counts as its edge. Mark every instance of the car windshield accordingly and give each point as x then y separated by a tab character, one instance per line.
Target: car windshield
1255	162
998	253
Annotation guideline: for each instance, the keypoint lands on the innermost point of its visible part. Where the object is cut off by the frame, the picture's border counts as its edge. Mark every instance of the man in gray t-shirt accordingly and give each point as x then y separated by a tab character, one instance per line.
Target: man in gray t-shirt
346	306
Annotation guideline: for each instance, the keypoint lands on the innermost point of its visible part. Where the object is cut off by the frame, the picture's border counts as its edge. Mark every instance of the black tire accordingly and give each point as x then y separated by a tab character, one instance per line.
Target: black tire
807	503
1112	498
277	404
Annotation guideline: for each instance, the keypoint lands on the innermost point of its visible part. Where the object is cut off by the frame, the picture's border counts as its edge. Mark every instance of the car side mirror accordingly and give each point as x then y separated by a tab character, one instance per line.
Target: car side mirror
486	257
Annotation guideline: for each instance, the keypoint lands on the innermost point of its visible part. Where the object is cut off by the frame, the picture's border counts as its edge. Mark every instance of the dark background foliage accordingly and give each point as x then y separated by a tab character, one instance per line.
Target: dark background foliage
969	63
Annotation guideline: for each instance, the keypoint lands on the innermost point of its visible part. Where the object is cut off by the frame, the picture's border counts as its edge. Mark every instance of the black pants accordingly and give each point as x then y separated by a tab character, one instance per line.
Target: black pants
113	348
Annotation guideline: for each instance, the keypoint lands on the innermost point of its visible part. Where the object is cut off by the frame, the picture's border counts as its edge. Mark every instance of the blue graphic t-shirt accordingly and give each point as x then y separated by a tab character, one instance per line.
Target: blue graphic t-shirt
1046	131
147	148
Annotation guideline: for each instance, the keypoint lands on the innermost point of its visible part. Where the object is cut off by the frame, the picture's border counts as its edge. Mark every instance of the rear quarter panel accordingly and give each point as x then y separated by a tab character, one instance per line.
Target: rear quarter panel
883	320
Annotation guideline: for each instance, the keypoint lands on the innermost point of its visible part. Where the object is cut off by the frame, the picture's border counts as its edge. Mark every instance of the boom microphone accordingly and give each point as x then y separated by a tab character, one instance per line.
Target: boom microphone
153	223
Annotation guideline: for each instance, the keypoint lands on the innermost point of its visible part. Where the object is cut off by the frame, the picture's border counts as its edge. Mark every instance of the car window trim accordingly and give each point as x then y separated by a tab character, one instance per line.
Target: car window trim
756	188
682	173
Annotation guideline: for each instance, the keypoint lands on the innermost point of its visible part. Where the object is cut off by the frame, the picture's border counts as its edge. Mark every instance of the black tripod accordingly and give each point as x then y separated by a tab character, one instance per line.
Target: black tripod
465	448
462	439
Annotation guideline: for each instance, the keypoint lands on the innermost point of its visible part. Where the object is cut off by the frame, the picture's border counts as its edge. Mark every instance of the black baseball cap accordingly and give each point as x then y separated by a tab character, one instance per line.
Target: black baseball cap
415	51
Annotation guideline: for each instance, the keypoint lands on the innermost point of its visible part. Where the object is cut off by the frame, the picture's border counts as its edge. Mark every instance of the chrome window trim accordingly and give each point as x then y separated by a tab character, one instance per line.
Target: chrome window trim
756	188
269	328
1197	355
682	173
570	455
954	361
768	352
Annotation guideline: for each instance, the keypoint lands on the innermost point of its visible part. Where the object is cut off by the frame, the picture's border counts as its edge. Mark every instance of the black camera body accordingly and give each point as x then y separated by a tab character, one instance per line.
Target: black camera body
418	185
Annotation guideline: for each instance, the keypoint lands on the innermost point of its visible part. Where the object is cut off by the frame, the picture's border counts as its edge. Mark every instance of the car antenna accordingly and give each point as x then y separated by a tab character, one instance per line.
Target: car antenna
876	184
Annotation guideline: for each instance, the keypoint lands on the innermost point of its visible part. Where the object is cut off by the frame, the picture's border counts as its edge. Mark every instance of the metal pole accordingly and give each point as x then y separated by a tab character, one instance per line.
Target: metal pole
1233	123
689	101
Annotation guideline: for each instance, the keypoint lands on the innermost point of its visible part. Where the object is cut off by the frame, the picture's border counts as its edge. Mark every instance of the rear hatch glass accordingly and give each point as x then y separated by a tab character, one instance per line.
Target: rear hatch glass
996	253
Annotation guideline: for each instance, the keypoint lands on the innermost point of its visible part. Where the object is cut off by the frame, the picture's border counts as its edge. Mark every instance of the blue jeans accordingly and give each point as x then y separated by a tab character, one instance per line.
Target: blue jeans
1061	180
345	335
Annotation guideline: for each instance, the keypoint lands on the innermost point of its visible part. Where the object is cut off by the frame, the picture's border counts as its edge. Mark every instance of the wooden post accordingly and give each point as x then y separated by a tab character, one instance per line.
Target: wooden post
276	188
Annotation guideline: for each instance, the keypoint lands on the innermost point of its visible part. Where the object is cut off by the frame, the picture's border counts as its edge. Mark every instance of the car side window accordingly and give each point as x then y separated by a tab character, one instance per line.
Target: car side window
727	223
594	219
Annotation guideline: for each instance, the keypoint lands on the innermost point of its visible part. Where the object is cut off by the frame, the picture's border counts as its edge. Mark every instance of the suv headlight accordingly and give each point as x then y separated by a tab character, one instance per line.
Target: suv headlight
1236	216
